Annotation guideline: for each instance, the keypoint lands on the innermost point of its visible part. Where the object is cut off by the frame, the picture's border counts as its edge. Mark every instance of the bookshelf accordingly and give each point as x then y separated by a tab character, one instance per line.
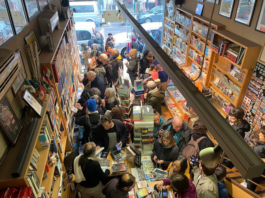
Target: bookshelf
188	53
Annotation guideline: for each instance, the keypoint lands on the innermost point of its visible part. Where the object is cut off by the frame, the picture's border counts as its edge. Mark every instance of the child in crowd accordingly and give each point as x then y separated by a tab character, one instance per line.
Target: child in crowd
220	173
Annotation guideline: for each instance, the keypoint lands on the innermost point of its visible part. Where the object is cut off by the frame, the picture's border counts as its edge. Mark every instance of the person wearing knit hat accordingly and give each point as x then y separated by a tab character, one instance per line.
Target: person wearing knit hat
92	116
132	65
154	97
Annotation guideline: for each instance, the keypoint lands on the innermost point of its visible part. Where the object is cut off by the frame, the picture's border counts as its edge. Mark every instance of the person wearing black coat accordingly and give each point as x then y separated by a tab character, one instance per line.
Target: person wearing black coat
108	67
87	121
260	150
144	63
97	82
165	150
236	120
110	99
109	127
199	130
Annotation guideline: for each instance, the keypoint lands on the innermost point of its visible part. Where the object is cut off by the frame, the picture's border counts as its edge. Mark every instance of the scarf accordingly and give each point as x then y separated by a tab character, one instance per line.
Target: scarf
153	91
79	176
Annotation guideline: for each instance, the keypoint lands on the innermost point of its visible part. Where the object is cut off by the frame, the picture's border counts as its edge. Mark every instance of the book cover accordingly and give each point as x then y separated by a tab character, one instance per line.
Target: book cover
142	184
119	168
142	193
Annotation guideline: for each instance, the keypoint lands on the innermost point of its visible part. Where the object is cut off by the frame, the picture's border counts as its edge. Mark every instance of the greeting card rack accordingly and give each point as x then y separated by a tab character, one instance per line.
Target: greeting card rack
227	77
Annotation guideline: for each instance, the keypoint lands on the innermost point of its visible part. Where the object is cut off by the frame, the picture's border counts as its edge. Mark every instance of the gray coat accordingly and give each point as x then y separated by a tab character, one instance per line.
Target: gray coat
184	137
206	187
132	65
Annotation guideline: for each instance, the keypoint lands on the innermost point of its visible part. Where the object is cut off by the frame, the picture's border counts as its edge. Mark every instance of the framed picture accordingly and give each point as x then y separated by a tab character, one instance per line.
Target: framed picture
42	4
9	121
199	9
261	20
262	55
6	30
20	78
32	102
244	11
18	15
226	8
32	8
30	38
212	1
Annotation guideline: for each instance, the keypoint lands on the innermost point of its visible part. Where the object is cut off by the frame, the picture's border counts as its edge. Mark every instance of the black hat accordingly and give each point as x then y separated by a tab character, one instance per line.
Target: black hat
109	33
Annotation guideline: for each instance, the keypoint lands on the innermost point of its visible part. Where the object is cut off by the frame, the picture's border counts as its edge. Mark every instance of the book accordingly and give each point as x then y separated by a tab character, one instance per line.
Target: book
104	154
142	193
137	161
118	155
148	167
142	184
146	159
130	156
119	168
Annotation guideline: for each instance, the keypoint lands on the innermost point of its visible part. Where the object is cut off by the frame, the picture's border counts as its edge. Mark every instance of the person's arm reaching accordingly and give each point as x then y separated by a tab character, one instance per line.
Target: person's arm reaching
103	176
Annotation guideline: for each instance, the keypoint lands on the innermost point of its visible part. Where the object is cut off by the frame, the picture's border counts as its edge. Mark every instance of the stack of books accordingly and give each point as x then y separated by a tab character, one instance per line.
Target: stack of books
137	116
118	155
43	193
34	160
33	182
45	136
147	113
119	168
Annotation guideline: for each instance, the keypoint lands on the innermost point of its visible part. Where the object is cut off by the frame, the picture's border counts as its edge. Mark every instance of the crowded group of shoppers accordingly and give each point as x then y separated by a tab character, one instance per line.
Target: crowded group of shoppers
102	118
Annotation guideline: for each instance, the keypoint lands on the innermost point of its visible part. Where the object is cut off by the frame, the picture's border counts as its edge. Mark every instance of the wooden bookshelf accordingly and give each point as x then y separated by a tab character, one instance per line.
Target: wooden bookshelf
6	179
47	183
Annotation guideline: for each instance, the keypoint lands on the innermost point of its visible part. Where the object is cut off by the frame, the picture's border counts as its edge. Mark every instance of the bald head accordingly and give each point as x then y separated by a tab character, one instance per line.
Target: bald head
91	75
127	182
177	123
89	149
151	85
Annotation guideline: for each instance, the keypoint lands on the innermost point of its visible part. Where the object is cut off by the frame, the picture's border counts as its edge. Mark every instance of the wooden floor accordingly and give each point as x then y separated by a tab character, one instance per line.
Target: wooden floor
165	113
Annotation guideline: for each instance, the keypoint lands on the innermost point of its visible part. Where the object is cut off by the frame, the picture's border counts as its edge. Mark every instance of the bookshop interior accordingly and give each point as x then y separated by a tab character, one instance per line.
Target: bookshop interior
133	98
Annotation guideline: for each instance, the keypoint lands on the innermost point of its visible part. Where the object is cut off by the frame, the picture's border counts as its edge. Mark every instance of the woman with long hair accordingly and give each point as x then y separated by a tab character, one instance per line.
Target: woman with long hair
181	165
110	99
165	150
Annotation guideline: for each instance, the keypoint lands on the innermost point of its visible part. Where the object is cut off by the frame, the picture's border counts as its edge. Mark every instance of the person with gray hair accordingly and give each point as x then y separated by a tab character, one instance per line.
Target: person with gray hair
95	50
108	68
154	97
88	173
110	132
116	64
110	99
94	91
97	82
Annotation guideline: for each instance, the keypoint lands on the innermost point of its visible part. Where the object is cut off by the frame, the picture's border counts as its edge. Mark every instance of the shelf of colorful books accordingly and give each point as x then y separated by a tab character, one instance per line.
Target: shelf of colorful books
46	56
201	37
176	103
178	23
167	48
169	35
186	41
197	64
169	20
199	52
56	187
222	94
6	179
180	49
223	113
47	183
219	67
167	26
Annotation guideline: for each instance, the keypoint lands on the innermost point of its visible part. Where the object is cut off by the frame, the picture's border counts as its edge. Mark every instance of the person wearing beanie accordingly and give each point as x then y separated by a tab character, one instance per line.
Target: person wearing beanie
154	97
91	118
132	65
110	40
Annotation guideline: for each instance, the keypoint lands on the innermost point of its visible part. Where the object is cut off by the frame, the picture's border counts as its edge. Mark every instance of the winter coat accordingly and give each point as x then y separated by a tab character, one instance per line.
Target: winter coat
102	138
166	154
96	53
112	40
155	100
132	66
109	106
242	128
190	192
185	135
156	128
206	187
260	150
145	65
223	193
82	120
100	71
204	143
84	97
116	64
109	72
99	83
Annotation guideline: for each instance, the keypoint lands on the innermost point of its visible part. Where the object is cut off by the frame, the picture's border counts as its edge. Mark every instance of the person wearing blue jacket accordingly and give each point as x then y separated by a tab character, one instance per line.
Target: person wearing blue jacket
220	173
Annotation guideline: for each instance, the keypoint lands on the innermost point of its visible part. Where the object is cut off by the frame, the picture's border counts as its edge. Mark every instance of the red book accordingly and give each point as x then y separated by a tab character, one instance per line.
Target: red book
55	72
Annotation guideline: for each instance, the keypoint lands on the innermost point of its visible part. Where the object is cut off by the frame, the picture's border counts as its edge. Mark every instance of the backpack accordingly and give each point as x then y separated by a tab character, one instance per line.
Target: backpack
192	148
93	129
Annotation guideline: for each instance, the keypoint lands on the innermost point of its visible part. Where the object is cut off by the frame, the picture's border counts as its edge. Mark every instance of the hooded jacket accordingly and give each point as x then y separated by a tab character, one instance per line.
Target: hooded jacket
116	64
112	40
99	83
207	186
155	100
166	154
102	138
223	193
242	128
132	66
185	135
144	65
156	128
100	71
190	192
